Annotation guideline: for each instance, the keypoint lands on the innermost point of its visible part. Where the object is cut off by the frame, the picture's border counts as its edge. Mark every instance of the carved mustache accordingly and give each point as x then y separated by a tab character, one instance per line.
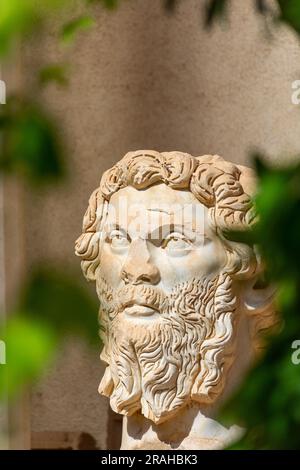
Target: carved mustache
140	295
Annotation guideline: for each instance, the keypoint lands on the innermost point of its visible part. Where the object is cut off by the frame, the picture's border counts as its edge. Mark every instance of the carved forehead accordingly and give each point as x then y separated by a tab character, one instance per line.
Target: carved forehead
158	204
159	195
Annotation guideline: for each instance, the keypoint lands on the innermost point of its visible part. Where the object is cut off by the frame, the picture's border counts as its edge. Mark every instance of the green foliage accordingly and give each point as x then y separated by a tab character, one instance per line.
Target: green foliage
19	17
30	145
109	4
30	345
269	401
54	297
56	73
290	13
16	17
52	306
82	23
214	9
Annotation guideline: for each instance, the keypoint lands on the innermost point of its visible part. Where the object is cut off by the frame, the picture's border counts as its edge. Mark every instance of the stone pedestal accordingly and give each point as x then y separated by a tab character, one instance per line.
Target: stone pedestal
191	429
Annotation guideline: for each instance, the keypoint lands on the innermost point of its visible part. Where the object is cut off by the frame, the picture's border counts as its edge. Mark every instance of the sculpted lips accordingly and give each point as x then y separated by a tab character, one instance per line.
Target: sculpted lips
138	309
141	301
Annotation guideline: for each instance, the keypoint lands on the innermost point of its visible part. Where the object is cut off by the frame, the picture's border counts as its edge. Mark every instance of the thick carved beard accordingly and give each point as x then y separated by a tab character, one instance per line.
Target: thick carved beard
157	367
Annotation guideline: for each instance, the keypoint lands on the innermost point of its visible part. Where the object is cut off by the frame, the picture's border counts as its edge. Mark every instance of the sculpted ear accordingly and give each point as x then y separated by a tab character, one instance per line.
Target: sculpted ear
258	301
258	293
87	246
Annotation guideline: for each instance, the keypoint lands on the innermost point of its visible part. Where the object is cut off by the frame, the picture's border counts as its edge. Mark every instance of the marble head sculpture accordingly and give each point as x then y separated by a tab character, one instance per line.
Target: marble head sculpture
179	302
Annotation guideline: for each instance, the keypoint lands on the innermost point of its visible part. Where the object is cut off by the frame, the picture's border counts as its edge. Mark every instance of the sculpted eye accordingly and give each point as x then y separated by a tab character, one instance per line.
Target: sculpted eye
176	243
118	239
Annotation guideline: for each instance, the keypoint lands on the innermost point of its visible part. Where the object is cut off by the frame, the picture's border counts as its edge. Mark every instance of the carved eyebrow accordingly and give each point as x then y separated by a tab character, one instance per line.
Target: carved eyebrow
163	210
188	227
158	209
161	231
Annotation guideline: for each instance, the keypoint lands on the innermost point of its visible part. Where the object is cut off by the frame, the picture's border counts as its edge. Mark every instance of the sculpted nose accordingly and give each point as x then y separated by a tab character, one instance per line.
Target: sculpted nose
138	268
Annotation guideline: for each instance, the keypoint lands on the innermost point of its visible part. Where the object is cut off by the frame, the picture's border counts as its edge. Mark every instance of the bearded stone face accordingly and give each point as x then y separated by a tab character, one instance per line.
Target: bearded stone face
167	304
180	303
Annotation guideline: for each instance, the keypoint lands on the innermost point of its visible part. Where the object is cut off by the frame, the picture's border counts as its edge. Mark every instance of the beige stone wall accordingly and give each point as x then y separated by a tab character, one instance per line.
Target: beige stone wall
145	79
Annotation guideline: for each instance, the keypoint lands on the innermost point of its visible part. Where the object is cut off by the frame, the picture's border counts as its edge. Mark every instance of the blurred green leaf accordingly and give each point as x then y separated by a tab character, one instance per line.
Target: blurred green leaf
19	17
57	299
16	17
109	4
287	293
249	237
274	423
29	348
290	13
30	144
82	23
53	305
54	73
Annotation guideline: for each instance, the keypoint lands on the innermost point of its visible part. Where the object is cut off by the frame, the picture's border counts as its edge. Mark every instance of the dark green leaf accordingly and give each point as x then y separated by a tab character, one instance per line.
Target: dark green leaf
29	347
213	10
58	300
290	13
30	144
53	73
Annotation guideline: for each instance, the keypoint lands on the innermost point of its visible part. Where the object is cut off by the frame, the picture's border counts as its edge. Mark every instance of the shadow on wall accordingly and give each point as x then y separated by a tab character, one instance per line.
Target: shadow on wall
63	441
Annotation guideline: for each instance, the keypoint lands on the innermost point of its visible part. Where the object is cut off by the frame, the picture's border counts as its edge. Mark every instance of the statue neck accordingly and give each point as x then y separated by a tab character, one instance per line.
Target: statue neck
191	429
